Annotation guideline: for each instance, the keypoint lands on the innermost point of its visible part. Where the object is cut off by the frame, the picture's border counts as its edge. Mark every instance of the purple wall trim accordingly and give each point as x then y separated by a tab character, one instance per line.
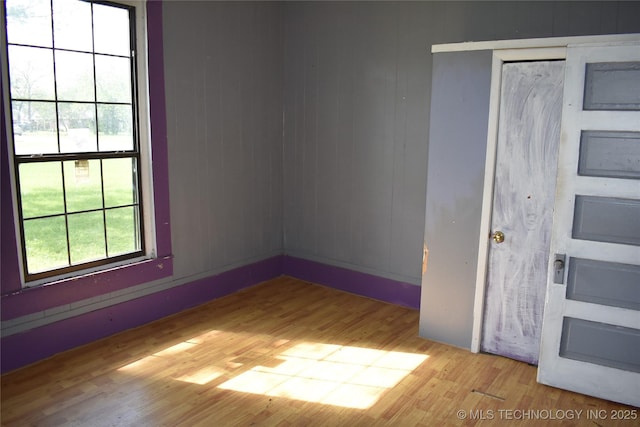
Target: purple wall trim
24	348
9	268
28	347
16	301
158	116
391	291
33	300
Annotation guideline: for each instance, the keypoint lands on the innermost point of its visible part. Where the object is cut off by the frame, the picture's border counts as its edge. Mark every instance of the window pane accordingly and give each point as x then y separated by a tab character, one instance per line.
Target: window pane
41	189
82	185
31	71
111	30
29	22
74	76
71	93
34	127
119	182
77	127
45	242
122	231
115	129
86	237
113	79
72	25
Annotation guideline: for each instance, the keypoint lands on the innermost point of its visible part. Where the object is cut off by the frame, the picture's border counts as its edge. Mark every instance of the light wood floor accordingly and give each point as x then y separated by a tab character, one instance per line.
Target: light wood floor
288	353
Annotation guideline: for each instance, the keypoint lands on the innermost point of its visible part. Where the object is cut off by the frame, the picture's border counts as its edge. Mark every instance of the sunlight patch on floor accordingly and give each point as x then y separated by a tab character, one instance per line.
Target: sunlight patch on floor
203	376
352	377
347	376
170	354
175	349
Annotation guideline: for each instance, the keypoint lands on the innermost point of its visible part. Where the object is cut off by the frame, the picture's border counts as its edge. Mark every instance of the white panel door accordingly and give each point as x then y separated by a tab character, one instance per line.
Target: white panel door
523	197
591	330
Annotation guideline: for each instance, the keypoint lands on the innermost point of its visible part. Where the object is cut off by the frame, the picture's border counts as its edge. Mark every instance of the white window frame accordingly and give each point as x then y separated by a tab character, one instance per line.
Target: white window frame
144	131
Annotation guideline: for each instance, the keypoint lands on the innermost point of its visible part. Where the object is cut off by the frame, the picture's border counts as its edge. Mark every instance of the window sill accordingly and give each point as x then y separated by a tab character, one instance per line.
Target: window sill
69	290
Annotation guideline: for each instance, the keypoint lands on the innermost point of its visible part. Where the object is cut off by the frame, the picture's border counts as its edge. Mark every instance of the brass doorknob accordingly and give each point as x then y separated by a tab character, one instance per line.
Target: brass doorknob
498	236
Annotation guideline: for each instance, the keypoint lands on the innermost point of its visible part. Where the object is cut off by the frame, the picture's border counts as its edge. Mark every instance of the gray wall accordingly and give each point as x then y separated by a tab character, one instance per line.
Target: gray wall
223	76
310	120
357	96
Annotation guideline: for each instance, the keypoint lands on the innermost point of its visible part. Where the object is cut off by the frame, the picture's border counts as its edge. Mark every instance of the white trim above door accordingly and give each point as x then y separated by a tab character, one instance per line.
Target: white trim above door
546	42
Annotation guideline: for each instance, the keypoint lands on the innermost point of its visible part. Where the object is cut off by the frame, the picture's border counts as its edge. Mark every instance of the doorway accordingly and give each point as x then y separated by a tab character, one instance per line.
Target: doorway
597	232
522	209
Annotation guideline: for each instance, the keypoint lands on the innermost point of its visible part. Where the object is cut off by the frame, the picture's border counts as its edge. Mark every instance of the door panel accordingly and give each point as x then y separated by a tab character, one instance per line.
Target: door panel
583	340
524	188
609	86
610	154
585	279
606	219
591	330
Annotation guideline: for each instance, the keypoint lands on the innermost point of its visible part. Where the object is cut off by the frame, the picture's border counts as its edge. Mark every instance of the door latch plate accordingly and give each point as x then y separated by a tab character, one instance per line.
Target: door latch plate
558	268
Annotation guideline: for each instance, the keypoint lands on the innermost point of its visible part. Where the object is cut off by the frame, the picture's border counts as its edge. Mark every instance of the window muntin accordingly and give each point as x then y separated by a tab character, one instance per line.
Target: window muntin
76	149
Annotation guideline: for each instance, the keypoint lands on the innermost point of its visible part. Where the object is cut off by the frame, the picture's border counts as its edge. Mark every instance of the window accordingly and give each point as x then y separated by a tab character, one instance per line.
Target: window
76	136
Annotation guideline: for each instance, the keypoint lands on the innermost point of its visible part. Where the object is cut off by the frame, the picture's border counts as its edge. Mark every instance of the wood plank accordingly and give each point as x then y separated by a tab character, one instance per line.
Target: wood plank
180	370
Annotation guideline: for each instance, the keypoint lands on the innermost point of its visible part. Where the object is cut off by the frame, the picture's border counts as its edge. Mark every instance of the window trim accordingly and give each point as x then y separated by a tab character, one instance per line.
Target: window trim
140	151
157	261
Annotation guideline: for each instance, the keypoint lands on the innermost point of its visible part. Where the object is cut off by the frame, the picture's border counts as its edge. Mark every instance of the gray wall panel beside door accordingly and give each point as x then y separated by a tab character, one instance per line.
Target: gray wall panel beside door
458	142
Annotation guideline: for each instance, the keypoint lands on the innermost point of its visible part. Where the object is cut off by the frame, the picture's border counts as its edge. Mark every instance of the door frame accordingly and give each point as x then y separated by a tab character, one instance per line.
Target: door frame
499	58
494	145
508	50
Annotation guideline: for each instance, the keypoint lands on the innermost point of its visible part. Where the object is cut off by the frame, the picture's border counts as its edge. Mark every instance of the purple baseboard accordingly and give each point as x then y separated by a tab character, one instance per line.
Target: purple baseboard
24	348
380	288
